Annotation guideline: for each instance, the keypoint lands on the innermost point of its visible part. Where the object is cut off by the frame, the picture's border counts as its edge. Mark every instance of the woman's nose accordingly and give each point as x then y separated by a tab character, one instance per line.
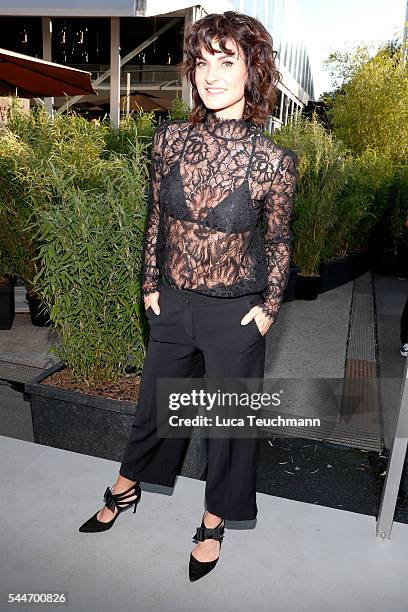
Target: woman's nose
212	75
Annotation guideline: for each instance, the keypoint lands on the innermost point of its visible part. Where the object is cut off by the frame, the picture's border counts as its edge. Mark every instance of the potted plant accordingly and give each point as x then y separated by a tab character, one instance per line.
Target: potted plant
358	204
88	219
22	141
289	292
388	234
379	126
7	278
7	283
320	175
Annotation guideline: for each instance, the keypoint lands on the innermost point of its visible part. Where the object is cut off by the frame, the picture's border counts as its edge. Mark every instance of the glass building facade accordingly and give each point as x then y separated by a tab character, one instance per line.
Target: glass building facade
83	41
283	20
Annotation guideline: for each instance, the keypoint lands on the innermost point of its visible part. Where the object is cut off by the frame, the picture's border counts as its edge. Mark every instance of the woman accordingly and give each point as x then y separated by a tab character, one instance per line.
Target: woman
215	264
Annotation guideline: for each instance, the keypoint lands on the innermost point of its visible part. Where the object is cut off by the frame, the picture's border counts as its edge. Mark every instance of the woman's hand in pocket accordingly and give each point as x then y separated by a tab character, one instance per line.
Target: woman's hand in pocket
152	300
261	320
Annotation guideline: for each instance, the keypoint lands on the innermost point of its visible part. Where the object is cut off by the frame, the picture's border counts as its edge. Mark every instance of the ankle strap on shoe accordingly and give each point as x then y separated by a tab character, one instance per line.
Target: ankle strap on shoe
205	533
115	499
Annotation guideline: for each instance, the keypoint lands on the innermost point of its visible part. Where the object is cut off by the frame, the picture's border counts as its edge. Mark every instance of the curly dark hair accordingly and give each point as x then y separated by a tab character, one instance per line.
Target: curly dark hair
255	41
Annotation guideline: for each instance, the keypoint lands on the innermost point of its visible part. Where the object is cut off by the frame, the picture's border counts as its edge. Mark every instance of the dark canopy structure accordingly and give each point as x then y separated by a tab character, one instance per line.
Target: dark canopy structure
30	77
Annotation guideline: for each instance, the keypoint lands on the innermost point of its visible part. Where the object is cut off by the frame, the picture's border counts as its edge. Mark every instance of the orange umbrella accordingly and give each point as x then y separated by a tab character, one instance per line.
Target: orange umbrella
29	77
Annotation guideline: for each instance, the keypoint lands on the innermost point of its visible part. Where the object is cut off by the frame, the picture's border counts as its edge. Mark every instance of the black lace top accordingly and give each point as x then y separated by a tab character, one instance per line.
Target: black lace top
219	207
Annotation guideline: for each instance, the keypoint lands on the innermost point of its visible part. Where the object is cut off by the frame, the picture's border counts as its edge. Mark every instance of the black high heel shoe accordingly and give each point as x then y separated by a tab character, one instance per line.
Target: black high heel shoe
197	569
111	500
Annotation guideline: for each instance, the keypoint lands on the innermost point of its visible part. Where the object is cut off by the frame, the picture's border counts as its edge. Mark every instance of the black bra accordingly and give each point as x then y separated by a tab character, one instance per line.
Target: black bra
237	212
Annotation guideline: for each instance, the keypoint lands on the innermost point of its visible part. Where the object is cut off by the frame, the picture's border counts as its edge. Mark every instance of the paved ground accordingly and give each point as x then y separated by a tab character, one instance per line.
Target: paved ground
313	545
300	557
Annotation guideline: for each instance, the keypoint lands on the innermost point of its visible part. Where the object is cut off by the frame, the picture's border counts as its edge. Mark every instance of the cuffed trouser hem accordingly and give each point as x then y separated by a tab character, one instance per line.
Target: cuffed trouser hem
234	517
147	478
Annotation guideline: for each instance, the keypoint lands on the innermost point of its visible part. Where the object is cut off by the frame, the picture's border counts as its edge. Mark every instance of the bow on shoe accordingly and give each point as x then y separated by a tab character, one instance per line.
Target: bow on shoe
204	533
109	499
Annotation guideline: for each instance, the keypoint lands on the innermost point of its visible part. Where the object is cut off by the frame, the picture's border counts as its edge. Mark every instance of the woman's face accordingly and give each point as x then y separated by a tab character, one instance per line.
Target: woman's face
221	78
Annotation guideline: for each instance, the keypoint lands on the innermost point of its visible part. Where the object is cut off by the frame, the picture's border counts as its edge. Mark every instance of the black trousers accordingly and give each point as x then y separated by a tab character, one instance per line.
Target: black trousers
197	336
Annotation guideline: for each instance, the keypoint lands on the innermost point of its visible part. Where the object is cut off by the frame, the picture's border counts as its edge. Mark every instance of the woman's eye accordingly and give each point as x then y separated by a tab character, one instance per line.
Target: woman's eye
199	64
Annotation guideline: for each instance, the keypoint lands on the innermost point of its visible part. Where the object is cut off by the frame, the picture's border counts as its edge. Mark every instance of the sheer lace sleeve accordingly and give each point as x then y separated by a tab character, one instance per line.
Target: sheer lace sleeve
150	270
278	207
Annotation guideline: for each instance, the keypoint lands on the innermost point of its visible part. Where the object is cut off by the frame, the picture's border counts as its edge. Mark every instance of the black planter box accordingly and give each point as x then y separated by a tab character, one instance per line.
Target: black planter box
307	287
335	273
385	262
361	261
289	293
7	304
39	315
89	424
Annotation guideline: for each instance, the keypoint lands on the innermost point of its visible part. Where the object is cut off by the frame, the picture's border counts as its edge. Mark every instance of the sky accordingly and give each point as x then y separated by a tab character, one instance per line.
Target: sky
332	25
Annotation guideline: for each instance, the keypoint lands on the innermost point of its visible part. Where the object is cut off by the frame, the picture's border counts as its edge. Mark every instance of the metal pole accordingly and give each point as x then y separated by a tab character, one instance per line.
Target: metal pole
128	93
395	466
47	55
115	71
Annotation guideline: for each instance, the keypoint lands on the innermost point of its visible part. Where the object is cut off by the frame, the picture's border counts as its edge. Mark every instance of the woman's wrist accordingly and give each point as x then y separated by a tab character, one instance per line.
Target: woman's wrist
269	310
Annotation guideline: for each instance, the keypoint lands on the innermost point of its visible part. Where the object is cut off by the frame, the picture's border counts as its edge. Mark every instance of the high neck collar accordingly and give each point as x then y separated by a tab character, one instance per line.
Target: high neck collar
226	128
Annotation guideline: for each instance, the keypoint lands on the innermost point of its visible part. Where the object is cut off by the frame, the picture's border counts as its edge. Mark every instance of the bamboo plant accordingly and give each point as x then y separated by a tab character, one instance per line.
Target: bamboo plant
84	212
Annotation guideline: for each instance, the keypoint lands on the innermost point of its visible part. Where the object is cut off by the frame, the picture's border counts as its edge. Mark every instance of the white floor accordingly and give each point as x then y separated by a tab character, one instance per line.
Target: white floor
299	557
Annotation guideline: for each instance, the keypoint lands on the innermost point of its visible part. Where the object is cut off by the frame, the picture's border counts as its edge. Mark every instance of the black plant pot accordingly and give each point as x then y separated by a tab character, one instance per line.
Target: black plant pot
89	424
38	317
7	303
361	261
402	259
385	262
335	273
289	293
307	287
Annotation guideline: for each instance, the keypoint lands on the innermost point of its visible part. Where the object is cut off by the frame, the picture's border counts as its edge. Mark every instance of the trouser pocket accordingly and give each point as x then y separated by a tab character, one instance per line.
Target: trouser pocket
251	302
